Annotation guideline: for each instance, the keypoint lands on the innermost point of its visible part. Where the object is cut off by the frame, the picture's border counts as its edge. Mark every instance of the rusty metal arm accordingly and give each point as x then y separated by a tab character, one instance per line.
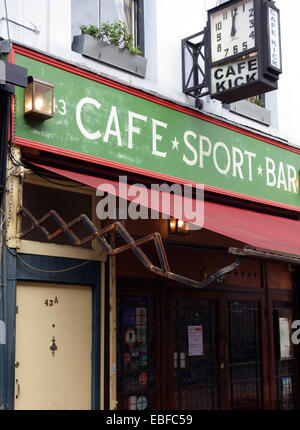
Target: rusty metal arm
130	243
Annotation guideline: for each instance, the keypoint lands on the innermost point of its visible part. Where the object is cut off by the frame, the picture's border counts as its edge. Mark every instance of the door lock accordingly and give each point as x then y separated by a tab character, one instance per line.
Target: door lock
222	363
53	346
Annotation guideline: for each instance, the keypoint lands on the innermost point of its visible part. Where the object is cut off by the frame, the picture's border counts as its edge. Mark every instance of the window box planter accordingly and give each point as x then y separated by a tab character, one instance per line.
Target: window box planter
109	54
252	111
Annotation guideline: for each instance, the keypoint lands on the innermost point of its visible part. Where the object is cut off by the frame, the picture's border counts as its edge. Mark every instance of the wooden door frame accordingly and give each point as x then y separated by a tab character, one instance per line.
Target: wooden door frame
165	292
222	298
284	297
265	373
18	272
129	286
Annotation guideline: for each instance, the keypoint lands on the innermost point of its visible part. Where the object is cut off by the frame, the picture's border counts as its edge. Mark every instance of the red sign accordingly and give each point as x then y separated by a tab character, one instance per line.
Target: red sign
130	336
126	358
143	379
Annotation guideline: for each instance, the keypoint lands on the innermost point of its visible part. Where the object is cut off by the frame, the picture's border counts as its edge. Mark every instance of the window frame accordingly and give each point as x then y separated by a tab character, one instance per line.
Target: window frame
139	26
96	252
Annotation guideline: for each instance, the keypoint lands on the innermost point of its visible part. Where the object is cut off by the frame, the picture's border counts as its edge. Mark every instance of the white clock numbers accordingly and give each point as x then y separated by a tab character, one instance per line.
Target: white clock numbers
232	30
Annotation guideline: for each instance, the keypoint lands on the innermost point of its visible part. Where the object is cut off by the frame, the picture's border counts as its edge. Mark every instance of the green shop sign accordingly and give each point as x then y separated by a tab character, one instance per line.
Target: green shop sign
110	124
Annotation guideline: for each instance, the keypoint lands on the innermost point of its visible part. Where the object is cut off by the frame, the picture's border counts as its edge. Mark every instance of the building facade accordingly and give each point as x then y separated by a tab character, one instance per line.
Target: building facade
106	294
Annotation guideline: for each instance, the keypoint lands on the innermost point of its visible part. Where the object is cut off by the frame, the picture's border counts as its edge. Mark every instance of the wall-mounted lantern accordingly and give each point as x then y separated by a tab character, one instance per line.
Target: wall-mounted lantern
39	97
178	226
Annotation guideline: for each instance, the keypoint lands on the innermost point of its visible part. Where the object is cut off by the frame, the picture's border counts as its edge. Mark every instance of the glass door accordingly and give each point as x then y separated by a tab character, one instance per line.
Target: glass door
285	368
195	354
244	355
136	353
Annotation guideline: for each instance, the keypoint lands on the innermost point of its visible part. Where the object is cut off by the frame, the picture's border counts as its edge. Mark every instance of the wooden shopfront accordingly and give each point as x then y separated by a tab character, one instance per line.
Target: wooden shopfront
240	366
165	345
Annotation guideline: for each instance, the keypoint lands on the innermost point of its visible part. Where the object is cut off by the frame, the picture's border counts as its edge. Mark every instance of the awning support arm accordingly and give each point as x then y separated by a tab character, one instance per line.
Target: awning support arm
130	243
264	254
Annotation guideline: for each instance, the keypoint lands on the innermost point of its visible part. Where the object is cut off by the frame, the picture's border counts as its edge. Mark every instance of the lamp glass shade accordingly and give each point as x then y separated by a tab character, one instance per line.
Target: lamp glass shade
39	99
178	226
172	225
183	227
28	97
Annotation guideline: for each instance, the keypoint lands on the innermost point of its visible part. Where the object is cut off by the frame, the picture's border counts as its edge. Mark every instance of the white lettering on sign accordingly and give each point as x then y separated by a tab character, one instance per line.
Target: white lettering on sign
157	137
221	170
87	134
113	127
233	75
205	149
188	161
60	106
274	38
250	155
197	150
131	128
281	176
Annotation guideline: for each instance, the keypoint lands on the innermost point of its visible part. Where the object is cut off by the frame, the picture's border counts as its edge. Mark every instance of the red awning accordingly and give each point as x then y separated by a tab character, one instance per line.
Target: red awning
260	230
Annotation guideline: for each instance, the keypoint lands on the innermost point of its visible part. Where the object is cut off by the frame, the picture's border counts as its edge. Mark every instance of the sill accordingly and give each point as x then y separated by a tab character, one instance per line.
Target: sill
108	54
252	111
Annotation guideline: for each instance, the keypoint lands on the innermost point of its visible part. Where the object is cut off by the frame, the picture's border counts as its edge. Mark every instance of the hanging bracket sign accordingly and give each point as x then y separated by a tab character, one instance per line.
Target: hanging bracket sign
244	49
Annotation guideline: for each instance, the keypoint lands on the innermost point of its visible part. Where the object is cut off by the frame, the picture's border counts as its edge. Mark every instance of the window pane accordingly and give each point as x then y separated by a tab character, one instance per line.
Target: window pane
39	200
111	10
84	12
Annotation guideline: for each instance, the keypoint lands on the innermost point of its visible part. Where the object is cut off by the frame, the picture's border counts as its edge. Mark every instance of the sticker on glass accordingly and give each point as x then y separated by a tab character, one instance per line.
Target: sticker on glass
126	358
141	316
130	337
195	336
142	403
143	378
132	403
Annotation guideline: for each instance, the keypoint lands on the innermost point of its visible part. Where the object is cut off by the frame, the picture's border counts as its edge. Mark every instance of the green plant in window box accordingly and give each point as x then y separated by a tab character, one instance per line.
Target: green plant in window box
115	33
92	30
111	44
257	101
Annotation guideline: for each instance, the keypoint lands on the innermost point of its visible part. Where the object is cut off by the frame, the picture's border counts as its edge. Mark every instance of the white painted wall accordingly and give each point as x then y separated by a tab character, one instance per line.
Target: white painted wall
166	23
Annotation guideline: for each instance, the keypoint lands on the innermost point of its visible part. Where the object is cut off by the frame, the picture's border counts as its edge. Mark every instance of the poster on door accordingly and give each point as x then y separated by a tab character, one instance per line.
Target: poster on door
195	340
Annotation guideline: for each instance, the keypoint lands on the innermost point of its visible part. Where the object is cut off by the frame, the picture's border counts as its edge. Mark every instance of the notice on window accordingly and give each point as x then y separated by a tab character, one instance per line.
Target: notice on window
195	339
285	342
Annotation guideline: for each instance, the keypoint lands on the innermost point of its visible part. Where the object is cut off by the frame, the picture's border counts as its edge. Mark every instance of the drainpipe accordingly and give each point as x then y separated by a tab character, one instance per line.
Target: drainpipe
5	102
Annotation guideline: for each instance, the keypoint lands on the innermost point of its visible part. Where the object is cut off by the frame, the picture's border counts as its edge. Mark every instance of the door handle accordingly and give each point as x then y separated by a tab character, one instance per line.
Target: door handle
18	389
223	362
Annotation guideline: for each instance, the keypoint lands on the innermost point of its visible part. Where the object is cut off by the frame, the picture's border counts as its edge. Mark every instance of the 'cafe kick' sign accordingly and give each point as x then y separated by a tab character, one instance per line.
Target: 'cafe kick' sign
239	30
229	76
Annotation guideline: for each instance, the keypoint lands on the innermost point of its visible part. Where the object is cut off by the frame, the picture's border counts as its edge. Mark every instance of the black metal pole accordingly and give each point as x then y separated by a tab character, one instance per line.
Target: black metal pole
5	108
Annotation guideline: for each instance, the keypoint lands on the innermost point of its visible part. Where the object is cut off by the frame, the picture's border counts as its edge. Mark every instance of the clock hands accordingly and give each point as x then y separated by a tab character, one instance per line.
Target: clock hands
233	29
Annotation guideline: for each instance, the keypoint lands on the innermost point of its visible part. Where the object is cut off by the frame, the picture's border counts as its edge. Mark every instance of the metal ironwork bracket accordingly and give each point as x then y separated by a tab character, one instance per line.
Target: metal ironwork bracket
130	243
265	254
195	76
34	29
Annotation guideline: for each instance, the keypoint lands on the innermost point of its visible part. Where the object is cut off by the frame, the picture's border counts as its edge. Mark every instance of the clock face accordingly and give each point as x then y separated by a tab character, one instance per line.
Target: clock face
232	30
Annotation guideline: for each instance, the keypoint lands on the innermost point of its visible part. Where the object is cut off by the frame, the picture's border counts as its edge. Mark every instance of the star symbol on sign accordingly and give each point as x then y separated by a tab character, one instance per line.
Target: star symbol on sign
259	170
175	144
